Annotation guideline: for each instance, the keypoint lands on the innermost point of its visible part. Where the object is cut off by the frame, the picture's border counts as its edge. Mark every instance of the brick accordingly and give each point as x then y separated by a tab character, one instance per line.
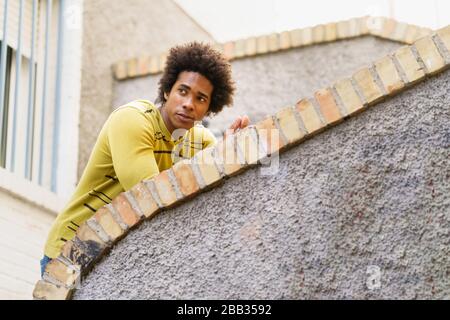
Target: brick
367	85
154	64
274	42
388	28
93	246
207	167
328	106
227	156
388	74
296	37
162	61
145	200
132	70
228	50
165	189
430	55
73	252
239	48
409	64
44	290
105	219
247	142
307	36
285	40
354	28
363	25
269	135
318	33
125	210
262	44
65	275
444	35
330	31
399	31
348	95
289	125
185	177
342	30
143	65
309	115
120	70
411	34
250	46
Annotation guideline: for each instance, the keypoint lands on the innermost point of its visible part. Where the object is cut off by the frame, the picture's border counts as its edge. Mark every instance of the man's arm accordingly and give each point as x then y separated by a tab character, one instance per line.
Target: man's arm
131	144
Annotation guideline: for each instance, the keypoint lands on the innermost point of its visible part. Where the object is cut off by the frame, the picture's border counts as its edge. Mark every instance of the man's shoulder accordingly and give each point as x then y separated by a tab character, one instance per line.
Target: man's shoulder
142	105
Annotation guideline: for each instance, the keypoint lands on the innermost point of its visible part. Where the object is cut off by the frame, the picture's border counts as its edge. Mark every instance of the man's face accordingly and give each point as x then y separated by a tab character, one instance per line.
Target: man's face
188	101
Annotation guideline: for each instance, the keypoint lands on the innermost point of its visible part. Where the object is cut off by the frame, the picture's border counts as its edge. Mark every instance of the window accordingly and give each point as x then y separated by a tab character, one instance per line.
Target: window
29	122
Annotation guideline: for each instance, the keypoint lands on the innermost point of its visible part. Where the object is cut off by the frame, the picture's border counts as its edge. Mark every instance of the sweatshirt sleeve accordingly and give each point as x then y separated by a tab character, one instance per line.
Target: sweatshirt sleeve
130	137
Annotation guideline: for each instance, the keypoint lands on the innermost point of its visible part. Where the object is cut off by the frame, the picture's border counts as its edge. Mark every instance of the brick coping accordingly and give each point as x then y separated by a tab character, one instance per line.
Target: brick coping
252	146
382	27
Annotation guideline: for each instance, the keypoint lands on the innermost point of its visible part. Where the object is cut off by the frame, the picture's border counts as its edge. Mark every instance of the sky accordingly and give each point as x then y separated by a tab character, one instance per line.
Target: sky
233	19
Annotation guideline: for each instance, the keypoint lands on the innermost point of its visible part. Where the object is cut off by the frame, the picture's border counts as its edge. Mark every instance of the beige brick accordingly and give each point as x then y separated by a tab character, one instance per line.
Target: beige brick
289	125
328	106
348	95
154	64
444	35
342	30
399	31
309	115
228	50
207	167
307	36
388	74
132	70
143	65
125	210
239	48
330	31
409	64
226	155
44	290
411	34
354	28
165	189
145	200
285	40
64	274
247	142
250	46
185	177
108	223
262	44
76	255
93	246
120	70
296	37
318	33
367	85
430	55
274	42
388	28
269	135
363	25
162	61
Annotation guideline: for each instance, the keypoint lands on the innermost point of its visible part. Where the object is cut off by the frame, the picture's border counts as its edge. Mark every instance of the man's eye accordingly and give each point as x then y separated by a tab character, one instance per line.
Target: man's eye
202	99
182	91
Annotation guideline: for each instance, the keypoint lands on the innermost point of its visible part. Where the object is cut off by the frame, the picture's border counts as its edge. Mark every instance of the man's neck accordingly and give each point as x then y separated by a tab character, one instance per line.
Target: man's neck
166	120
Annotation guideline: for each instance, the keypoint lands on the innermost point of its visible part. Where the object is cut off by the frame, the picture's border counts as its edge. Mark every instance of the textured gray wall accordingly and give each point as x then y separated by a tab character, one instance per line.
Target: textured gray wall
119	30
270	82
372	191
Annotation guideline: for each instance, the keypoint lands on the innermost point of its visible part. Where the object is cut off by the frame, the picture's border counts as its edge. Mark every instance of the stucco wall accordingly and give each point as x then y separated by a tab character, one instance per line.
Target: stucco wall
270	82
369	193
119	30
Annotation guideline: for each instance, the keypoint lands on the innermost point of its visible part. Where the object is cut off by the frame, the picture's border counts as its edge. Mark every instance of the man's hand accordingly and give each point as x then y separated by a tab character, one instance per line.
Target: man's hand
239	123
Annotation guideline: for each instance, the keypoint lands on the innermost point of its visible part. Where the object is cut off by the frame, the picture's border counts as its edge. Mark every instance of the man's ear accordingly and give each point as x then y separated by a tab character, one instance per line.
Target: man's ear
166	96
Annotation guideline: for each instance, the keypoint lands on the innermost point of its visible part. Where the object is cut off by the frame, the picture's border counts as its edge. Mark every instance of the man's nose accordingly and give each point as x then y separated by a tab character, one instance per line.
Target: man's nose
188	104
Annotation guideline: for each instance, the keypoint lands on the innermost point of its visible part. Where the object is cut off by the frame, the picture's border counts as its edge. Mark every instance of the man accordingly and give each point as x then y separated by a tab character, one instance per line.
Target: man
138	139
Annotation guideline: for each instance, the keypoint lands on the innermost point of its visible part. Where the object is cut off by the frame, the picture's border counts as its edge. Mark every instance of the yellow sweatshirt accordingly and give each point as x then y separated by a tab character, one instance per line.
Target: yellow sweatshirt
134	144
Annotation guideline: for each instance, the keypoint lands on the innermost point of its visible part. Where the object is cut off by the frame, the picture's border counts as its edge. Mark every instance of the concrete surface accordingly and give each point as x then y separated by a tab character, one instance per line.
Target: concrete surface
361	211
270	82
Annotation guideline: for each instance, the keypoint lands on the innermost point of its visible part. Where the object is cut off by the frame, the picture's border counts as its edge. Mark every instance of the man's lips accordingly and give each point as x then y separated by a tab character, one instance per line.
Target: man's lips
184	117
